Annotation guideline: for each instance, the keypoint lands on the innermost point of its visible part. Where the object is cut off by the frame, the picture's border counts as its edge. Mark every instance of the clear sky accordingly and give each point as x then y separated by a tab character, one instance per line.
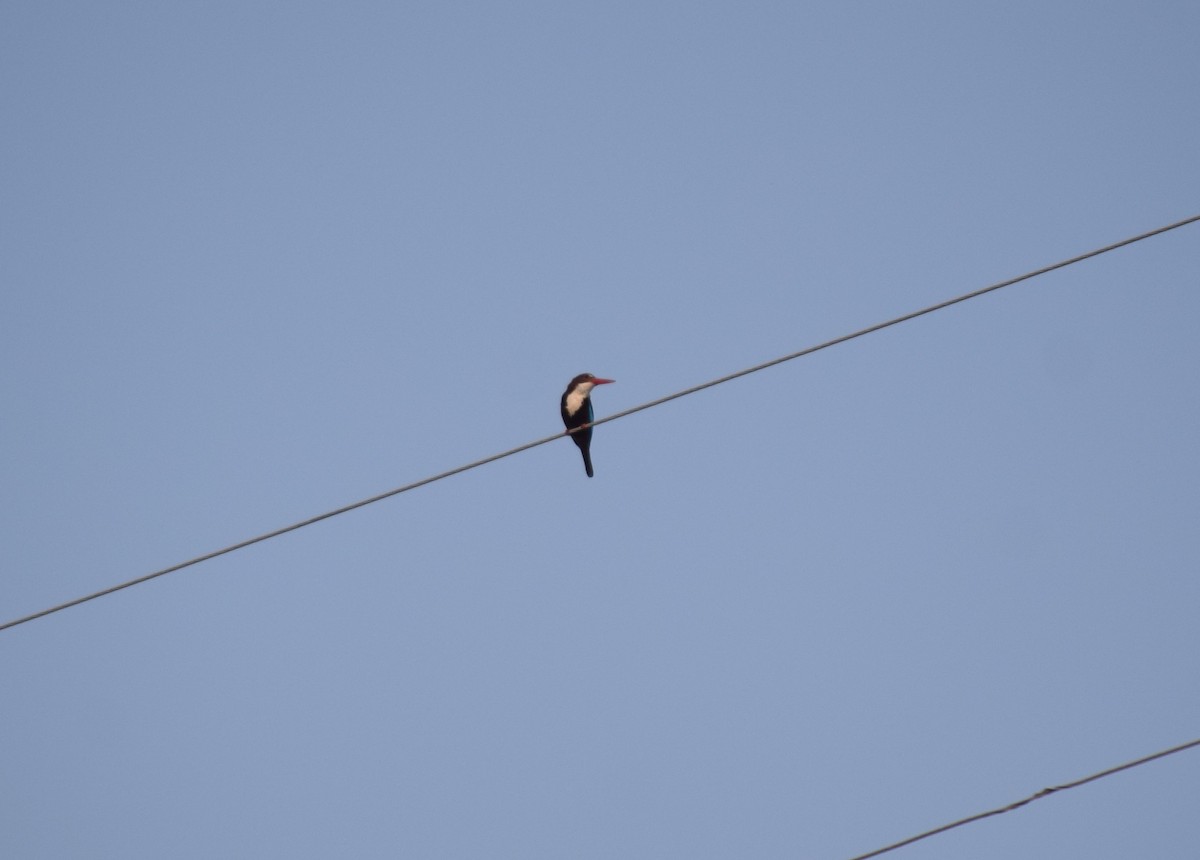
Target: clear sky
260	260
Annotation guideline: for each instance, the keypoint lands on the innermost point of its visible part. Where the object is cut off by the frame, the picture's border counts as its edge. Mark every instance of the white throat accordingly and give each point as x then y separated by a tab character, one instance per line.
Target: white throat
578	395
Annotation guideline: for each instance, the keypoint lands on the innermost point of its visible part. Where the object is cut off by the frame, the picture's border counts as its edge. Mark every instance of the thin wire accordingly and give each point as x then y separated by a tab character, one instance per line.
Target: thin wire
1018	804
897	320
404	489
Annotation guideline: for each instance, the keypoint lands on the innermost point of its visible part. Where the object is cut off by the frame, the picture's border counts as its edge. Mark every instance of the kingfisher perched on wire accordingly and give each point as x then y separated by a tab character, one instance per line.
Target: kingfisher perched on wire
576	410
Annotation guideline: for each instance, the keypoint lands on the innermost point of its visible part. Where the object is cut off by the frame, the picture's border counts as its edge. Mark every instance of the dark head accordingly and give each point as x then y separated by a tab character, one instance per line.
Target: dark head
587	378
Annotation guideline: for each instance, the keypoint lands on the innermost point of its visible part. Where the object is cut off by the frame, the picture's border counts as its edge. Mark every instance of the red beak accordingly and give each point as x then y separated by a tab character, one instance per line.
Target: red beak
599	381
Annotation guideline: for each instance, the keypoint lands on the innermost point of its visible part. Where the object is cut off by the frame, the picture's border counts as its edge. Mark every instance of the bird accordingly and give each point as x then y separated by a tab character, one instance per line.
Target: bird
576	410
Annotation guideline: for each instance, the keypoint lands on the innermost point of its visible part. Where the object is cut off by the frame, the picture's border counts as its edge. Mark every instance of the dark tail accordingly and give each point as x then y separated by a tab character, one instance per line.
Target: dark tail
587	461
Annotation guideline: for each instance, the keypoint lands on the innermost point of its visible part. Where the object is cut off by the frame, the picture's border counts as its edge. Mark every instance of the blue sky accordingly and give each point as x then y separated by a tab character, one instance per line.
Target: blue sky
261	260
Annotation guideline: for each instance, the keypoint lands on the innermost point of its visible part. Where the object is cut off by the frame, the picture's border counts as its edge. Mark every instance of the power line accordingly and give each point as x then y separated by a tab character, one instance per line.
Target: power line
1018	804
404	489
905	318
